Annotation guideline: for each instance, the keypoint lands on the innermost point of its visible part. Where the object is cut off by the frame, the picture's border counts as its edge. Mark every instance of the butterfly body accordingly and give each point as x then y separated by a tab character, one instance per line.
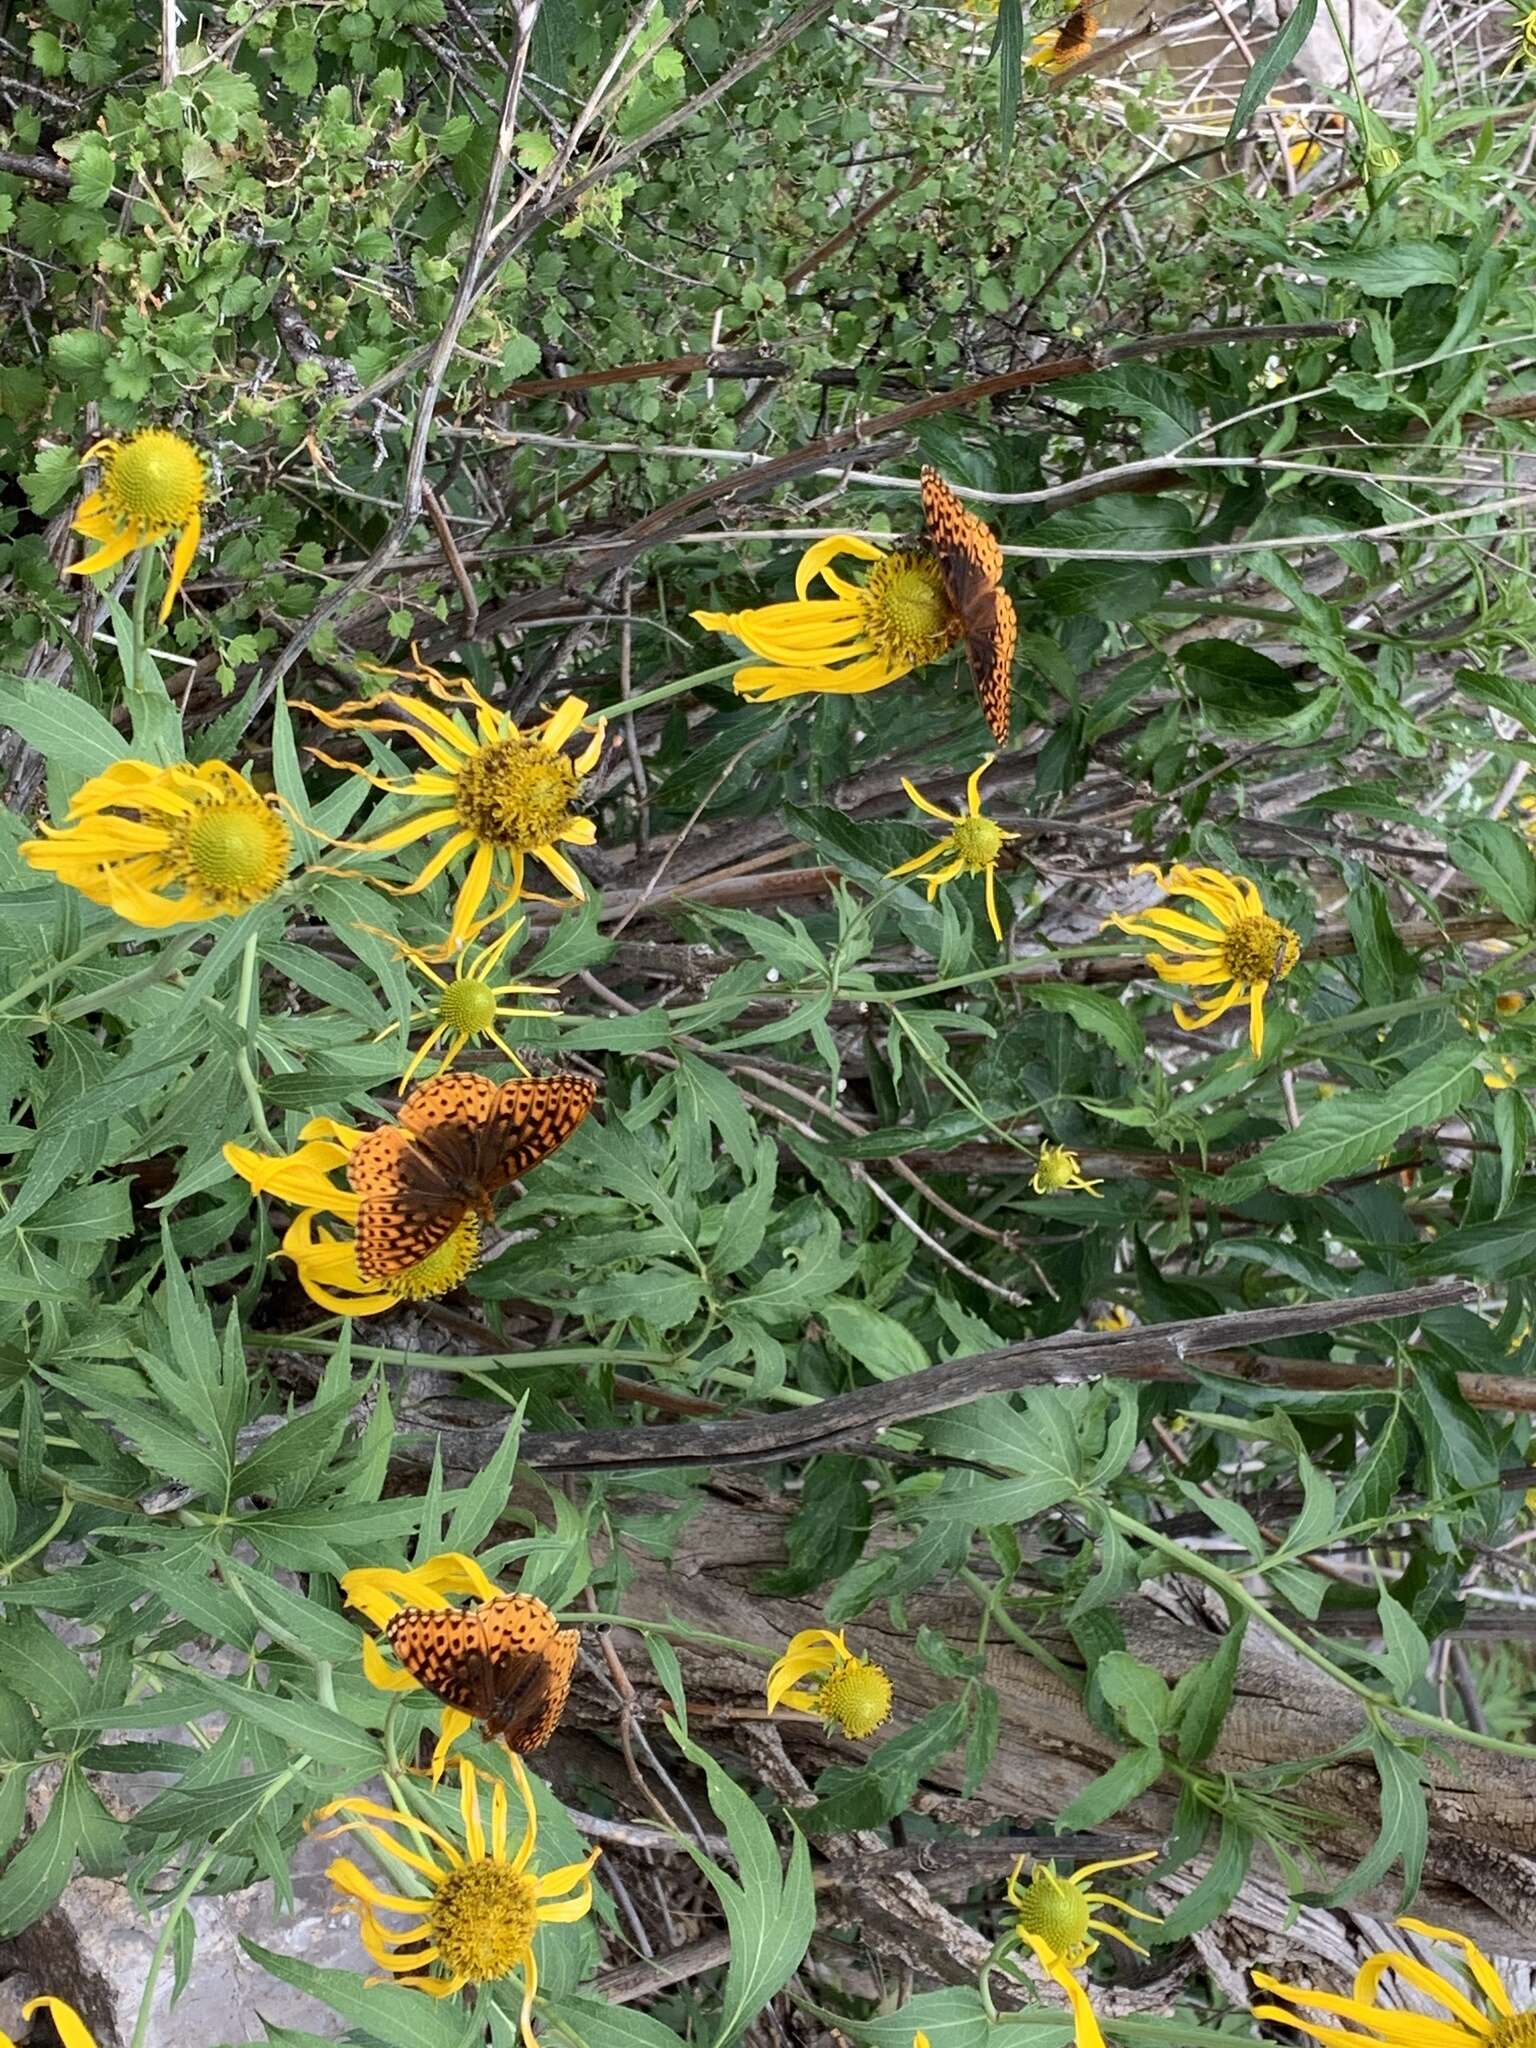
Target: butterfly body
459	1141
971	564
507	1663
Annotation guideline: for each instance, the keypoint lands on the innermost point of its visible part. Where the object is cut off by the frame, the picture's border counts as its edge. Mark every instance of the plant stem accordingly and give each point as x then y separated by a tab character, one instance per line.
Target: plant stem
249	1017
664	691
141	581
1234	1590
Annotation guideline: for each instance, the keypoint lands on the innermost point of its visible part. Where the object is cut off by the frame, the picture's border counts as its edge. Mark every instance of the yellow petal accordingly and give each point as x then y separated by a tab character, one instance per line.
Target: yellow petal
181	561
71	2029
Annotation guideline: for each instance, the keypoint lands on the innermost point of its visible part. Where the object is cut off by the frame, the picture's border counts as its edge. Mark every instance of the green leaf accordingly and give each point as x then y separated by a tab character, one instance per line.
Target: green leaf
1102	1015
387	2012
770	1910
868	1794
1217	1889
1404	1657
61	726
886	1349
1342	1135
1271	65
1138	1695
1404	1831
36	1875
1390	270
1203	1694
1500	862
1124	1781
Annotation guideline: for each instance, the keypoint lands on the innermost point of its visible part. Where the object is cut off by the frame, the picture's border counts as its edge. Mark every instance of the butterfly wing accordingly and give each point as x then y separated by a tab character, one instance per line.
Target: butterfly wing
971	563
532	1661
991	636
534	1118
443	1649
957	536
507	1663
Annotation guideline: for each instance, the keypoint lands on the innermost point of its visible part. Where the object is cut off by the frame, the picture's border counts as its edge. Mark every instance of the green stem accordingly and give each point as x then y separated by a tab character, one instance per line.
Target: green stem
141	582
98	942
184	1891
246	1011
1233	1590
664	691
67	1508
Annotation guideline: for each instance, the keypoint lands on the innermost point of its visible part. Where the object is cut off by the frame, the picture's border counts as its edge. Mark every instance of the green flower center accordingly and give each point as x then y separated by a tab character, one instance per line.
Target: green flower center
443	1270
516	794
978	842
483	1920
907	614
1519	2032
1055	1912
235	849
1259	949
154	481
1058	1167
857	1696
466	1006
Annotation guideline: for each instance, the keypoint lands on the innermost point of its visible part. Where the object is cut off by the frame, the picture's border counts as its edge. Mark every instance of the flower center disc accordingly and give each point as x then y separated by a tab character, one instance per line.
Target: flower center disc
236	851
978	842
515	794
1259	949
483	1920
154	480
1058	1913
907	613
1519	2032
857	1697
441	1270
467	1006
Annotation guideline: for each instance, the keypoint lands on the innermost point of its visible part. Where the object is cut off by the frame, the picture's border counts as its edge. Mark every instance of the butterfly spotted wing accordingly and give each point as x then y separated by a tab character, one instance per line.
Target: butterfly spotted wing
971	563
460	1139
508	1663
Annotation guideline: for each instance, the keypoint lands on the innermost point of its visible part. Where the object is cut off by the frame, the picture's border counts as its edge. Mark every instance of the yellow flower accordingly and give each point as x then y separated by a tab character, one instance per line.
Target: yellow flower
503	792
970	846
867	635
1116	1317
67	2023
136	833
153	484
853	1694
1524	25
1239	943
1059	1168
380	1591
469	1006
1055	1920
327	1261
1056	49
1510	1004
481	1910
1501	2026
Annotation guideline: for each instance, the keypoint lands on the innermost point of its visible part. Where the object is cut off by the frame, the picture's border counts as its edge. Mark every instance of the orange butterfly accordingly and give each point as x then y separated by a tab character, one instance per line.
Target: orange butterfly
971	563
459	1140
507	1662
